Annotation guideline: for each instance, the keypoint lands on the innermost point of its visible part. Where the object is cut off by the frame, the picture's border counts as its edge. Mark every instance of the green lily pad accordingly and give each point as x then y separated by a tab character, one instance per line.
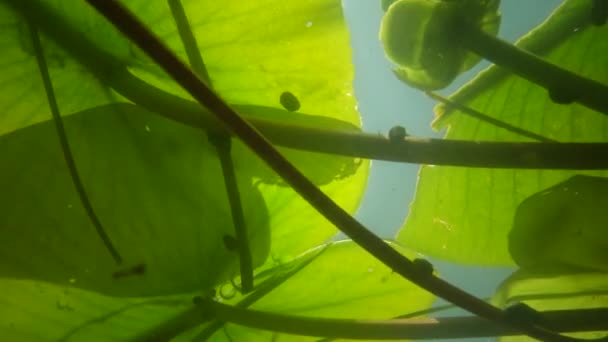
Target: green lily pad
465	214
564	226
155	184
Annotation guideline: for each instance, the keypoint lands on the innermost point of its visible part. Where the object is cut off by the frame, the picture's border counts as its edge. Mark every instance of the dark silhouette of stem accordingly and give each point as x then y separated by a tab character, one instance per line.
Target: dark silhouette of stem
111	71
188	40
449	104
131	27
222	144
65	146
430	328
563	86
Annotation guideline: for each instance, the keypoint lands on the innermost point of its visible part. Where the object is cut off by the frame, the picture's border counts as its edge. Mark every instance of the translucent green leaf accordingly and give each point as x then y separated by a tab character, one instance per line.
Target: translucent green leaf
554	291
465	214
564	226
156	185
344	281
36	311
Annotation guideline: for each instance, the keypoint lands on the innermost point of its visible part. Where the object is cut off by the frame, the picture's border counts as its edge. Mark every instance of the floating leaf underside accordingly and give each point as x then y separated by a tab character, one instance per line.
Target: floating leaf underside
57	313
465	214
554	291
366	289
254	52
563	227
155	184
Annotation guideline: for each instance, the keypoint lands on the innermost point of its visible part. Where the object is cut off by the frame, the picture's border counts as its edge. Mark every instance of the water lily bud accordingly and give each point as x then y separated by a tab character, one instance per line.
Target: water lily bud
421	38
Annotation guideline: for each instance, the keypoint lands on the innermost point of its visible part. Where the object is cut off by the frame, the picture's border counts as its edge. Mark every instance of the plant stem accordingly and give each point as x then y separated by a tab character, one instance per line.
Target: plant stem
189	40
521	155
65	145
430	328
223	146
449	104
111	71
415	314
222	143
131	27
563	86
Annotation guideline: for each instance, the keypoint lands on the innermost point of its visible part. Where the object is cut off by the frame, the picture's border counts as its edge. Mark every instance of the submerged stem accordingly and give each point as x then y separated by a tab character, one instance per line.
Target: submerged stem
449	104
563	86
111	71
189	40
222	143
429	328
65	146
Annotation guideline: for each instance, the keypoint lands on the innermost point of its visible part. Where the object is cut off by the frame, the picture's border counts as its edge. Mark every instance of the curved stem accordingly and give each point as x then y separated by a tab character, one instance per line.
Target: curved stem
111	71
65	146
223	146
188	40
430	328
563	86
572	156
222	143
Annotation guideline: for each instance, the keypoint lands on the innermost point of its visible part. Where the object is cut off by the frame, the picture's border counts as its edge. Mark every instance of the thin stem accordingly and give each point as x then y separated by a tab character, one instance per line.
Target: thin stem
222	143
414	314
131	27
521	155
483	117
65	146
111	71
189	40
223	146
430	328
563	86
